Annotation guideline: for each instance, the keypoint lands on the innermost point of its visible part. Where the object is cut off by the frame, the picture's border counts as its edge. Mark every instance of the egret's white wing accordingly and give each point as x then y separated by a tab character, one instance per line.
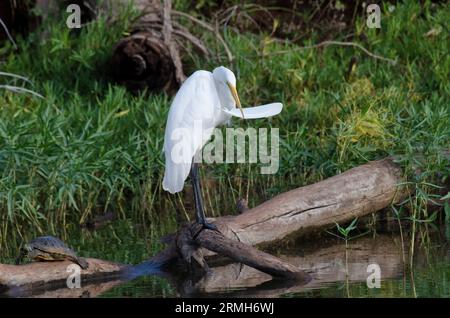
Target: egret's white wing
193	112
256	112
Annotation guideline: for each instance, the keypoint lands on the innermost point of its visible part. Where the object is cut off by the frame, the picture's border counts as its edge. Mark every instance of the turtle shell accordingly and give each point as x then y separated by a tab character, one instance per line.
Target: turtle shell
50	248
50	245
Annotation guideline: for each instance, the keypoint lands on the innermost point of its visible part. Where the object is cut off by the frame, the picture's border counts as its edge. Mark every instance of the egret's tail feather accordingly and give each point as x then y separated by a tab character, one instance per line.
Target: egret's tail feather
174	176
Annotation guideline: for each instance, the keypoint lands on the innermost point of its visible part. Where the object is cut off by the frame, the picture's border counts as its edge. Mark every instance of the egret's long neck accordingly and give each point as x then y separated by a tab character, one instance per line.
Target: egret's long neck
225	97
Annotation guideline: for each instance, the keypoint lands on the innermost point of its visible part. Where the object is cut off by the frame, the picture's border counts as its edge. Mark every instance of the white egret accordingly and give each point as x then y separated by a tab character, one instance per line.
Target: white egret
205	100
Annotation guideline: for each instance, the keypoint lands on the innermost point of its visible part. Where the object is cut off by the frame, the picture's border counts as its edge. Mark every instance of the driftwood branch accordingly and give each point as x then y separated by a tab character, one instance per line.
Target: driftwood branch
355	193
191	238
245	254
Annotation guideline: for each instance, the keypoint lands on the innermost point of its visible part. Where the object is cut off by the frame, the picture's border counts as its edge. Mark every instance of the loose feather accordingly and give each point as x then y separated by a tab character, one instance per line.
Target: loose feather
262	111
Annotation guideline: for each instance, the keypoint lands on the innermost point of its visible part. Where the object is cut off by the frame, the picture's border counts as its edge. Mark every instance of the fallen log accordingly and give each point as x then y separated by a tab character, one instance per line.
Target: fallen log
354	193
43	274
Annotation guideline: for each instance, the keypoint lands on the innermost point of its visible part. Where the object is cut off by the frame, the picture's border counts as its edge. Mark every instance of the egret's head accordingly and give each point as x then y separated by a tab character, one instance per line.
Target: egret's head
225	76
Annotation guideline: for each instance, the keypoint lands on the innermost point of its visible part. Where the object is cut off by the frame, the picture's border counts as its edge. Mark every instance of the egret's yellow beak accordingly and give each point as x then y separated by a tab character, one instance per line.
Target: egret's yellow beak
236	98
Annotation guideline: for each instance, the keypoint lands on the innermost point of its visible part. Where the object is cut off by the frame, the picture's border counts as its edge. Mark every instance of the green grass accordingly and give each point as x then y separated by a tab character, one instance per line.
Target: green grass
90	146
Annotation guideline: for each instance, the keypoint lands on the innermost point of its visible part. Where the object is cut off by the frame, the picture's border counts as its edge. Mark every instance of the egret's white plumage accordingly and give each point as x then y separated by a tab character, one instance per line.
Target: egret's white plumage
204	101
262	111
197	100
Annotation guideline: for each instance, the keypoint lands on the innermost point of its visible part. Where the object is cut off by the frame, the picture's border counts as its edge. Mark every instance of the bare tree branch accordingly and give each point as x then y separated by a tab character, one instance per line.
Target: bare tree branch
327	43
7	33
209	28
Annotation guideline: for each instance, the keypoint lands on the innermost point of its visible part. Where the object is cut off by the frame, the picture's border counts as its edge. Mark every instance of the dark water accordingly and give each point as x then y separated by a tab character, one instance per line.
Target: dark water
337	270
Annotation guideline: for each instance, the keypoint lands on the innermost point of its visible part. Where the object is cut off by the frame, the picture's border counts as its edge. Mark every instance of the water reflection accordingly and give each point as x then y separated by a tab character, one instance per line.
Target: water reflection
336	271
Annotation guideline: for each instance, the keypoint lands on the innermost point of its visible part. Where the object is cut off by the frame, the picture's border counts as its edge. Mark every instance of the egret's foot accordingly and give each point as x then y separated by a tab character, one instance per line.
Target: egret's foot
200	226
209	226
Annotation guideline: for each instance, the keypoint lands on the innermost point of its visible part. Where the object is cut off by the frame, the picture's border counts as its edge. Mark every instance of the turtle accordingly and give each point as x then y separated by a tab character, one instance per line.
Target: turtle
49	248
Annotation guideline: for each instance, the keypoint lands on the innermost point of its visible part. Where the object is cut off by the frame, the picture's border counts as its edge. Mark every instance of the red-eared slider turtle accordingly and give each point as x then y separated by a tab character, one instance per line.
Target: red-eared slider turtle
49	248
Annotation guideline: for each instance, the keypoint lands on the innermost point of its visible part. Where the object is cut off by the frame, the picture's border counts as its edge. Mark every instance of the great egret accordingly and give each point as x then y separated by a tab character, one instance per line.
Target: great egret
205	100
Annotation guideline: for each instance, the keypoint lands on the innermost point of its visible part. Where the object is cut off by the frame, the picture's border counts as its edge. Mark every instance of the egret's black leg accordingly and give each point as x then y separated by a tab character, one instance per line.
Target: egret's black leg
199	213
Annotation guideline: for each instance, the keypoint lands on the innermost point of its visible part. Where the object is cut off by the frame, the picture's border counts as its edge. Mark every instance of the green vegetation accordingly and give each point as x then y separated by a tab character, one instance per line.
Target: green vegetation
90	146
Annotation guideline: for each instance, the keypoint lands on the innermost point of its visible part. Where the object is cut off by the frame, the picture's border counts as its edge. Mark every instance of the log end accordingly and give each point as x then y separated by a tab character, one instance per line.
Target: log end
142	61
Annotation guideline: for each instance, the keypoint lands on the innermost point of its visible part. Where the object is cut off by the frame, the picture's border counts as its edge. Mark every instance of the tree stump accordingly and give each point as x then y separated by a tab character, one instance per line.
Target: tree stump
149	58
